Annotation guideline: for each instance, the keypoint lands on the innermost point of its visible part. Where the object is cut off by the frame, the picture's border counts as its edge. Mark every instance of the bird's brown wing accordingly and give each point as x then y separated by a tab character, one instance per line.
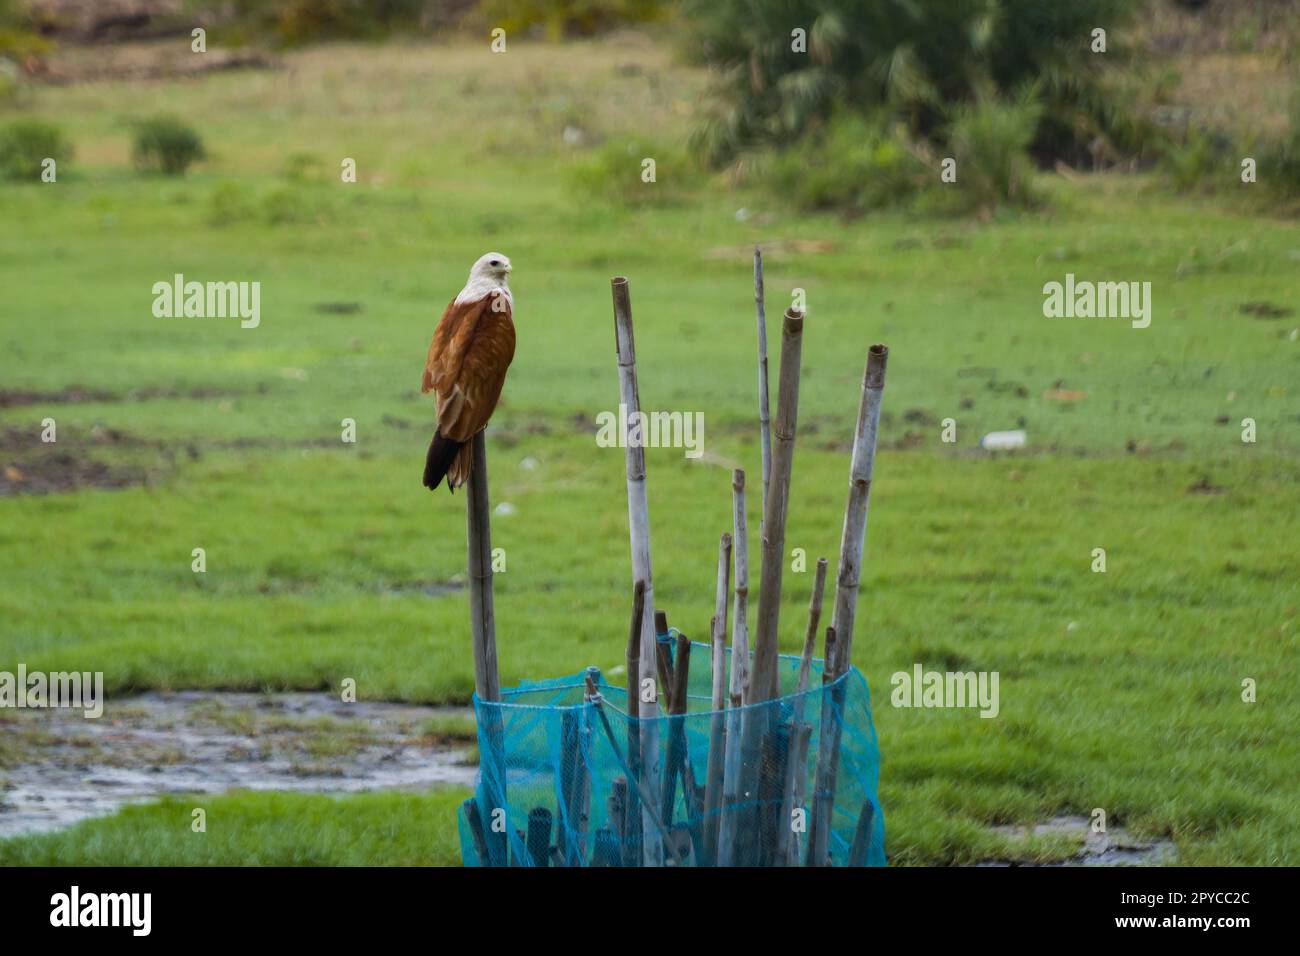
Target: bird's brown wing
471	350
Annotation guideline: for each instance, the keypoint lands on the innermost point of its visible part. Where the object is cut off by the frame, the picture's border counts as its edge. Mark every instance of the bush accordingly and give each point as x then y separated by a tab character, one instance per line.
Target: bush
296	22
990	140
26	144
19	39
855	164
1202	162
613	171
167	145
561	18
1279	159
911	58
230	203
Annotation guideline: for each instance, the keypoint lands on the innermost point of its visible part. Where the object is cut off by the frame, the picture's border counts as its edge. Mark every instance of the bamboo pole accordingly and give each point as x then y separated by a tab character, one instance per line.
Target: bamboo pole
632	835
740	686
669	672
682	763
757	725
664	655
765	680
787	841
717	725
475	822
639	534
597	701
487	681
764	426
852	542
728	819
539	836
861	845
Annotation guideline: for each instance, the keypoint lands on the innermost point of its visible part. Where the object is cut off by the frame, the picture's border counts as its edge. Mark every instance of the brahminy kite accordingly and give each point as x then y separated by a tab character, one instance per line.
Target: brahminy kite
471	351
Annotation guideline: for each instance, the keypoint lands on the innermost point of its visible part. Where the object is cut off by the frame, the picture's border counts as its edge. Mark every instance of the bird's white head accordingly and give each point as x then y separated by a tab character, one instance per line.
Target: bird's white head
492	265
486	276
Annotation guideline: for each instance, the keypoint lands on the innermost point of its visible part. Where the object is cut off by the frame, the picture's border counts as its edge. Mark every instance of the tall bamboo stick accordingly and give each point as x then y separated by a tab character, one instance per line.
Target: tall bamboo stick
848	580
487	681
632	830
758	729
764	427
787	842
765	678
717	725
638	512
728	819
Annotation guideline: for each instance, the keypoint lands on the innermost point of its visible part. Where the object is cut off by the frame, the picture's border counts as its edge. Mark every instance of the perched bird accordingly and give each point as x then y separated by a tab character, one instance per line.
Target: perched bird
471	351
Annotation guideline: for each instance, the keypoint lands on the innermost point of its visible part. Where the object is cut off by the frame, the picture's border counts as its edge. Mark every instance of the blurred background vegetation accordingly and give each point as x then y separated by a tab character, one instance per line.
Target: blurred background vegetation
855	114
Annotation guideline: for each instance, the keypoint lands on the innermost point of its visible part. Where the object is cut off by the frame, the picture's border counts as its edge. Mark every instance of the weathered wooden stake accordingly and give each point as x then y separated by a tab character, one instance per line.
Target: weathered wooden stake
632	838
539	836
852	542
639	534
487	681
764	427
861	845
787	841
739	681
717	725
765	679
632	835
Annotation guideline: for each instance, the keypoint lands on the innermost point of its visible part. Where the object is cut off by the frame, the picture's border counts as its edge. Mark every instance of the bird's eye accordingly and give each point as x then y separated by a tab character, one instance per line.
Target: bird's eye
495	262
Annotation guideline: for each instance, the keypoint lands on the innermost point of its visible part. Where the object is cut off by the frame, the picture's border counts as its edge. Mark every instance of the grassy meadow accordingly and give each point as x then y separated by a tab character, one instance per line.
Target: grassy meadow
328	560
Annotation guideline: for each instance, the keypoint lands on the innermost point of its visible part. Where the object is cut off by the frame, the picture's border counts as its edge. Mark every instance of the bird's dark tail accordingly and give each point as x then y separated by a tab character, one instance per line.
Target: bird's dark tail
442	453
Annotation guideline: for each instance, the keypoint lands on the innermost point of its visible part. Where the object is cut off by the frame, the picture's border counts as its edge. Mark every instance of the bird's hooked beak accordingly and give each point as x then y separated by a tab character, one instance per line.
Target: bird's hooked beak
509	269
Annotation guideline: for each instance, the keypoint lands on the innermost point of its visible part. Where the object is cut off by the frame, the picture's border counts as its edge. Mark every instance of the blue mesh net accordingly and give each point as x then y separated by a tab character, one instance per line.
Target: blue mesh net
789	781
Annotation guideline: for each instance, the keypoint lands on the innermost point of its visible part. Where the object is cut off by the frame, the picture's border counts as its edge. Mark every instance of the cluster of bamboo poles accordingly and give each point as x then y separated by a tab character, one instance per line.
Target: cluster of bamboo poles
757	761
746	810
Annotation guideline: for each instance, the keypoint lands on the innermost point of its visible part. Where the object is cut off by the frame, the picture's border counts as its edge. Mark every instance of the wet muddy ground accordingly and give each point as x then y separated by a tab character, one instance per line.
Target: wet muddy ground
1117	847
57	767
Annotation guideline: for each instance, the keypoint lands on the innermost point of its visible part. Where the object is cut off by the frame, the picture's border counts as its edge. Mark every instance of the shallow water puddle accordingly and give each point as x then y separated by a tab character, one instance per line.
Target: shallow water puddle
57	768
1117	847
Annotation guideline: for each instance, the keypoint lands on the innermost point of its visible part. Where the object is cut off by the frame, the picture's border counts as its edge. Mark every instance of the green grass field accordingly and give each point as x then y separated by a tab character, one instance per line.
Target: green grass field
1119	690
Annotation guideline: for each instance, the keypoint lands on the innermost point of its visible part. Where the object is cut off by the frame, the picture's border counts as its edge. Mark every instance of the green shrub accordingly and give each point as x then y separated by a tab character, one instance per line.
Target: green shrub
286	205
911	57
613	171
855	164
296	22
19	39
301	167
1200	163
230	203
1279	158
990	140
25	144
167	145
561	18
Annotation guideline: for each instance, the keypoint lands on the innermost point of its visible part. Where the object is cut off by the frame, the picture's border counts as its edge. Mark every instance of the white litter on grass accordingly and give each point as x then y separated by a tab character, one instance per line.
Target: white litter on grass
504	509
528	464
1003	441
